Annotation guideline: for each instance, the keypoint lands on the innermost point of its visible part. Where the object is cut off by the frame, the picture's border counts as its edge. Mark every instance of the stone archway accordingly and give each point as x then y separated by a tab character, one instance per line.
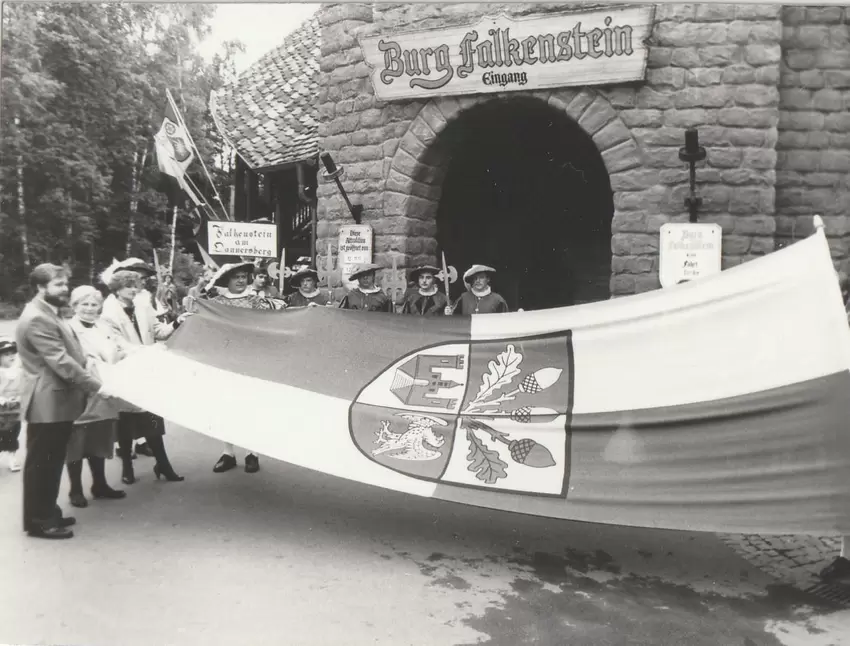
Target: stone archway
414	183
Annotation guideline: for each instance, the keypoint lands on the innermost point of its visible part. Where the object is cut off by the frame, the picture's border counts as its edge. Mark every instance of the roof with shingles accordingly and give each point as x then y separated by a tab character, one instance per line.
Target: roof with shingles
270	113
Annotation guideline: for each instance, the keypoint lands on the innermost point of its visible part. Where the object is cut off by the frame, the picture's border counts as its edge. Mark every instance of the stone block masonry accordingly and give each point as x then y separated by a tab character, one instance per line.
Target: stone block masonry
768	88
813	163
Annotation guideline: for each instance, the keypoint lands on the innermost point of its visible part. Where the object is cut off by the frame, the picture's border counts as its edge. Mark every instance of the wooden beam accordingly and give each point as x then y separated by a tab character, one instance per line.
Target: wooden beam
253	197
240	199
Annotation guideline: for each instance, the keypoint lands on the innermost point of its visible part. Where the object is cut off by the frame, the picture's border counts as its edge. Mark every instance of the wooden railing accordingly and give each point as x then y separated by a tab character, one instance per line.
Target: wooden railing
303	218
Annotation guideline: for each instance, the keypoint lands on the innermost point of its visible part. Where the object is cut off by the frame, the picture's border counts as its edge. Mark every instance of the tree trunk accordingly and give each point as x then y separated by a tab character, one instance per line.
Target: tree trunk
134	195
22	209
22	215
173	239
131	224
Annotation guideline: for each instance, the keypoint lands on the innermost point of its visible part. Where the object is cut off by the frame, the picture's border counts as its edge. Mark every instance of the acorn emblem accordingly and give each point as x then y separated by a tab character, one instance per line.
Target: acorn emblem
527	414
540	380
530	453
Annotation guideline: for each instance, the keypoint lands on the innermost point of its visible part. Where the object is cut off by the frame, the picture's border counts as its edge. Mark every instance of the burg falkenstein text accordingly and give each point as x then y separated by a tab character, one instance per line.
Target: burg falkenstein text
500	51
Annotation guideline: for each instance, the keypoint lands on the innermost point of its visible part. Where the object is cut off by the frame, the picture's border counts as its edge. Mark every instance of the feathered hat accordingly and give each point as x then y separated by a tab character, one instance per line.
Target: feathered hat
220	277
130	264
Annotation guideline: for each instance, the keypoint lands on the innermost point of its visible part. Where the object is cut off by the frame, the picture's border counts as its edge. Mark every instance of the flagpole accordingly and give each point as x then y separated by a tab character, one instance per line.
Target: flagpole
173	238
197	152
203	203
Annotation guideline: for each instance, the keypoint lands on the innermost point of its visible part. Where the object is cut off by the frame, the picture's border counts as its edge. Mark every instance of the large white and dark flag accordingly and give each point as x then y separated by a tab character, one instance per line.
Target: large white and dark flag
719	405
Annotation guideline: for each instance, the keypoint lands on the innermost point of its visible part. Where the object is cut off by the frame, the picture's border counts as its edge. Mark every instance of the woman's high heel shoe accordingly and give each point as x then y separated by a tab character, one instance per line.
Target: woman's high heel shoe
127	475
169	475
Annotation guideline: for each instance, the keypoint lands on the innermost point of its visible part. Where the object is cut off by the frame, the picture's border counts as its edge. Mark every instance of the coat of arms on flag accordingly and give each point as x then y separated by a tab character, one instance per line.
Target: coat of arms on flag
482	414
173	150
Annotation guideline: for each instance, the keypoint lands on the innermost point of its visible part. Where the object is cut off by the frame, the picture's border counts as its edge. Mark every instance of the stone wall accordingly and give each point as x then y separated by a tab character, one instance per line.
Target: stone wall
813	167
715	67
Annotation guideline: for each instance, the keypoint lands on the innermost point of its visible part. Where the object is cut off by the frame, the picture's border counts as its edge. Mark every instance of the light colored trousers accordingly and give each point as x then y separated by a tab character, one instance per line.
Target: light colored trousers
231	450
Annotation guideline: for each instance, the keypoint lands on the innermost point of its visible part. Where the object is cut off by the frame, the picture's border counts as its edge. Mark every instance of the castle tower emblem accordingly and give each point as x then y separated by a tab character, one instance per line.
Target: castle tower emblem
420	382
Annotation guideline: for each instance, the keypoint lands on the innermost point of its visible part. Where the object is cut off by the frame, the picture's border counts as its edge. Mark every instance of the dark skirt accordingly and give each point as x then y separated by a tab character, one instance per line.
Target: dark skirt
139	425
9	434
92	440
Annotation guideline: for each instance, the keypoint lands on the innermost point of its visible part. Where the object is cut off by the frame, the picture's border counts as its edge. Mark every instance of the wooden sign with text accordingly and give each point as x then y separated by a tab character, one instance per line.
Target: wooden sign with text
505	54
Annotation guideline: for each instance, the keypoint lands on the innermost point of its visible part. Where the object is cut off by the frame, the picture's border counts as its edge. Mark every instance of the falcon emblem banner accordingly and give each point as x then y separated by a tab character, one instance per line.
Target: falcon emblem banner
718	405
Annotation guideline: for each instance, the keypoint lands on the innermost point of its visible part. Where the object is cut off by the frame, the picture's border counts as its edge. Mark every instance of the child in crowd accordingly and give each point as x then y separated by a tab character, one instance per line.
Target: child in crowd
480	299
10	403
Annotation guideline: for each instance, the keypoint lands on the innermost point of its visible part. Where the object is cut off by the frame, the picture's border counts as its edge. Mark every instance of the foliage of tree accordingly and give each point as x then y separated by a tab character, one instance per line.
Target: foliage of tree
83	92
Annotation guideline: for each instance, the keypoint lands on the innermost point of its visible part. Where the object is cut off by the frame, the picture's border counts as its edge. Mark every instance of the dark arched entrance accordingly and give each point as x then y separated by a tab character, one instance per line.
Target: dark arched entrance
526	191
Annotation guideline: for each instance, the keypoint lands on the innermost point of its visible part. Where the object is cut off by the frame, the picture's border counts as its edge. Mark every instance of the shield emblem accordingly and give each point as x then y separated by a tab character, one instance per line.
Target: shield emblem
482	414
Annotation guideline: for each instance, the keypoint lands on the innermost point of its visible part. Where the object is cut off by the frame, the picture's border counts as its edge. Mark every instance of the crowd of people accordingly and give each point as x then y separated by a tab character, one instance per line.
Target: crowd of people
56	415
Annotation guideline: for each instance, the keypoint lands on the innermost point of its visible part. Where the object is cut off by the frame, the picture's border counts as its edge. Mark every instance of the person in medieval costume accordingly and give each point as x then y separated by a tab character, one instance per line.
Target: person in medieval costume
233	288
479	299
263	285
366	296
302	262
166	297
425	299
308	294
232	283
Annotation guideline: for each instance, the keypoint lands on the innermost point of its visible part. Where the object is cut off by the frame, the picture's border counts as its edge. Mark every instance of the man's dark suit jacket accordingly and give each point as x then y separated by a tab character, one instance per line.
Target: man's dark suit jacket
55	381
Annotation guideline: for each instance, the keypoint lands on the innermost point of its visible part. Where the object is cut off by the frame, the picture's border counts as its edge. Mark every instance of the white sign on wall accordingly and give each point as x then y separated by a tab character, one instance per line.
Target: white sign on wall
355	248
505	54
242	239
688	251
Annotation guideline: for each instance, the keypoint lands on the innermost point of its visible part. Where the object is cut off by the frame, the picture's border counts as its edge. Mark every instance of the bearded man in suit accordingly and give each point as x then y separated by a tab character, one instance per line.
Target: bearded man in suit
55	387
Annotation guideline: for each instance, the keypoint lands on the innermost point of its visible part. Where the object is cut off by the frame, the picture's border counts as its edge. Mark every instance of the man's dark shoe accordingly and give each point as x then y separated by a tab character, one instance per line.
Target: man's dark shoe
50	532
837	572
144	449
225	463
60	520
252	463
105	491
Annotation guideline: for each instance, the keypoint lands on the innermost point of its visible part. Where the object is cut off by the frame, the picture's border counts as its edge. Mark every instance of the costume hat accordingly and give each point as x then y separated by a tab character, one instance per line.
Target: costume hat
414	273
7	345
130	264
470	273
362	270
222	276
295	279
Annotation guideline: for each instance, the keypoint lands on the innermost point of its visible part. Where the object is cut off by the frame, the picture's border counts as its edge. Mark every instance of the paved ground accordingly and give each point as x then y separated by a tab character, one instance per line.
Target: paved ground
291	556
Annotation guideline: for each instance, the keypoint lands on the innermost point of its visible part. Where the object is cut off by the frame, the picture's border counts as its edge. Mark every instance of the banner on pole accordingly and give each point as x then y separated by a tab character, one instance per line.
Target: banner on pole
173	150
242	239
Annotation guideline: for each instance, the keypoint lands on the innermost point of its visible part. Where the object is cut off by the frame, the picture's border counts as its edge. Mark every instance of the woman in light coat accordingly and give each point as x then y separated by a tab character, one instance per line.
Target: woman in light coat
136	325
95	431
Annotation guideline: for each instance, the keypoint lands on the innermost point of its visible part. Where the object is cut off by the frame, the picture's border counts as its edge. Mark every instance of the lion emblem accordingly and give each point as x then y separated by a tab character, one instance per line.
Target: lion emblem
418	442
